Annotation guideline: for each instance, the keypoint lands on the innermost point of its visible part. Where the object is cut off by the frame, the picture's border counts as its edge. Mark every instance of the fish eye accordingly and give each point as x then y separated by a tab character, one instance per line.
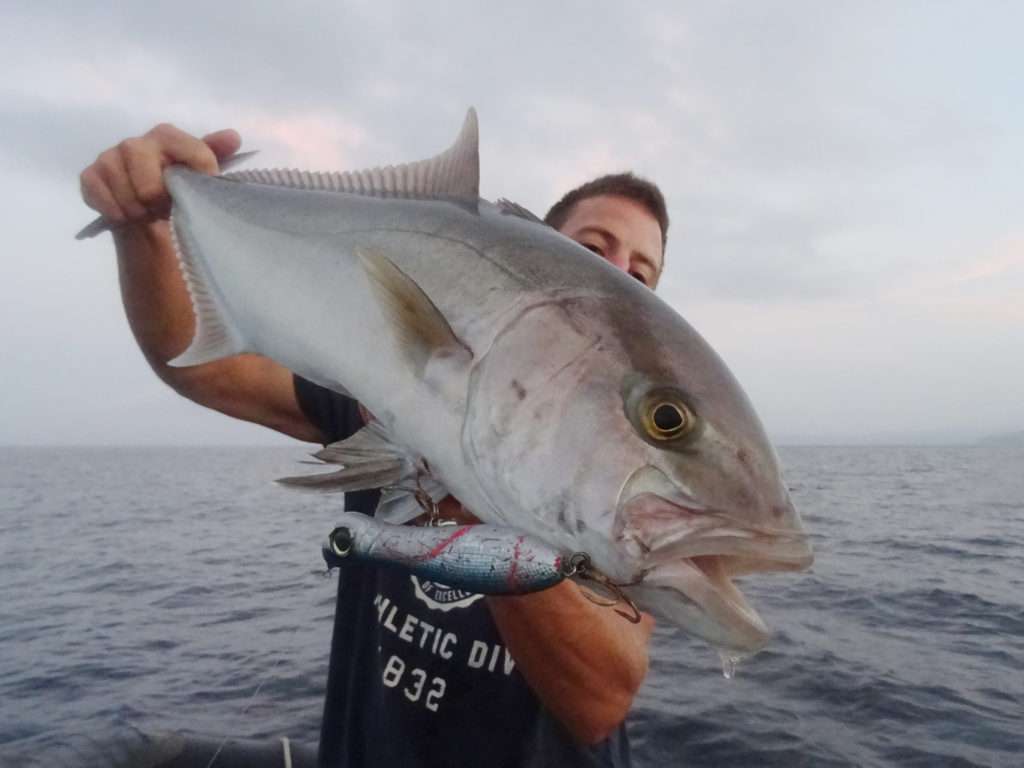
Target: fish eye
661	414
666	420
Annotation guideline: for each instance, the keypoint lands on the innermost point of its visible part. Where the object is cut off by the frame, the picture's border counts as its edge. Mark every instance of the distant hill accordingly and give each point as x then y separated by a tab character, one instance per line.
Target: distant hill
1005	438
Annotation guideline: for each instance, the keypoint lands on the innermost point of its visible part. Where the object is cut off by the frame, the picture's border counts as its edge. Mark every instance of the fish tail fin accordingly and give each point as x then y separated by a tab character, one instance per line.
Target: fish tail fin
215	335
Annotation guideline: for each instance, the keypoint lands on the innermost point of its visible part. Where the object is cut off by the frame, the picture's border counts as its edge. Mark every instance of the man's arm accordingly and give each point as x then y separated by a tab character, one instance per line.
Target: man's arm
125	185
584	661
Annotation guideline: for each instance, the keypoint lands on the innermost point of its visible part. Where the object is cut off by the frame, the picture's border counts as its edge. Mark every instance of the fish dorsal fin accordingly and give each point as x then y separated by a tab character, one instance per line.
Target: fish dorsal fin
371	459
452	175
236	160
509	208
420	328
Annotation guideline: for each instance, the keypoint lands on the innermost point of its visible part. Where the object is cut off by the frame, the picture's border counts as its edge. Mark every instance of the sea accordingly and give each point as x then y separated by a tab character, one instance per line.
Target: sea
180	589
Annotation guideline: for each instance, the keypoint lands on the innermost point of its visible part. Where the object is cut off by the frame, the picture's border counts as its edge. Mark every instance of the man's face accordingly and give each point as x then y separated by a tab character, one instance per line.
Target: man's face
620	231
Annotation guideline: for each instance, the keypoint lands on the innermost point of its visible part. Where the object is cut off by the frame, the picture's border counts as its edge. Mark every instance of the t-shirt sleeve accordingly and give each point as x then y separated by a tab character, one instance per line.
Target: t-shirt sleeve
336	416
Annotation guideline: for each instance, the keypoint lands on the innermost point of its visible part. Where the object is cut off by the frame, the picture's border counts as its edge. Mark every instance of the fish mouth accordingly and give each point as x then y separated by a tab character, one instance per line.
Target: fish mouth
689	554
698	593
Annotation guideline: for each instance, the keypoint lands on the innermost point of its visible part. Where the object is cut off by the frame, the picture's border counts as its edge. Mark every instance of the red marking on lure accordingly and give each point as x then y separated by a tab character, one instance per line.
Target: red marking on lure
440	548
515	563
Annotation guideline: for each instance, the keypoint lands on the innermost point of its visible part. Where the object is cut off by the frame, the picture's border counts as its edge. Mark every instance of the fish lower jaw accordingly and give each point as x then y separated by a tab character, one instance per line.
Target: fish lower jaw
716	572
728	620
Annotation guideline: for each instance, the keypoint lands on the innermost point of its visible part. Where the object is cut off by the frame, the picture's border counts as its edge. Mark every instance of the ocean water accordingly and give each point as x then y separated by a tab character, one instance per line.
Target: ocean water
178	589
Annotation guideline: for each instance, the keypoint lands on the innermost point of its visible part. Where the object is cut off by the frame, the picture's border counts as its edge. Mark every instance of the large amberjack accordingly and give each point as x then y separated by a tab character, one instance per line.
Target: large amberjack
545	389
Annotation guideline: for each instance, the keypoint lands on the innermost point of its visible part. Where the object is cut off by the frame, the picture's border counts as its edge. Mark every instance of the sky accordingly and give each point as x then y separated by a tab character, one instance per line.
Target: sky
844	180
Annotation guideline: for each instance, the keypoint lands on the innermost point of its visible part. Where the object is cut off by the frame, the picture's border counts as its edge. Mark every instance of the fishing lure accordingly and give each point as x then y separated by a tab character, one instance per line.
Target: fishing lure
488	559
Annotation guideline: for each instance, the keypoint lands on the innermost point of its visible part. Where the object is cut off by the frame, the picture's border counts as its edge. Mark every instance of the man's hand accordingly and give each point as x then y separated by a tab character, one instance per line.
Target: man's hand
125	184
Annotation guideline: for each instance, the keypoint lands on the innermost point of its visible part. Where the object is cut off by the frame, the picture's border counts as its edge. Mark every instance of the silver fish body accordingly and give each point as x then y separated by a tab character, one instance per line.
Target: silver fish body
545	389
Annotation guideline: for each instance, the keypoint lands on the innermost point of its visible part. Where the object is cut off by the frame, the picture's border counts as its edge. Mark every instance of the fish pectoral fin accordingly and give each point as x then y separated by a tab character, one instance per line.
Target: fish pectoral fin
452	175
421	330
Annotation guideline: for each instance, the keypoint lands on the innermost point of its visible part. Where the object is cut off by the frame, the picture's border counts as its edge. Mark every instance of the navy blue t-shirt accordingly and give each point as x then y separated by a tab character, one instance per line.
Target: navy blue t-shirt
419	675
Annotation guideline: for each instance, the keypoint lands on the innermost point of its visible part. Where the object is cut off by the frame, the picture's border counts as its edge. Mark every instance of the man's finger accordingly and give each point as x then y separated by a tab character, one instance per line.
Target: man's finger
223	143
115	174
97	195
179	147
143	161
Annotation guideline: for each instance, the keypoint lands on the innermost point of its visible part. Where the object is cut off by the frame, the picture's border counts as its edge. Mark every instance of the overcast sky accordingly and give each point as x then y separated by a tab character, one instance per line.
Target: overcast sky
844	180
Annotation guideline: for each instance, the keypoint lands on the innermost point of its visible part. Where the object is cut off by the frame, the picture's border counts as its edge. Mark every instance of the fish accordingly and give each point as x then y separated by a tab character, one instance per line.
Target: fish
504	364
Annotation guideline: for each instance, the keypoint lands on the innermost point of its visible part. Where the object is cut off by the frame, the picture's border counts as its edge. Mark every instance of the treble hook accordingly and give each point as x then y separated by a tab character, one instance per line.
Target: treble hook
426	503
581	566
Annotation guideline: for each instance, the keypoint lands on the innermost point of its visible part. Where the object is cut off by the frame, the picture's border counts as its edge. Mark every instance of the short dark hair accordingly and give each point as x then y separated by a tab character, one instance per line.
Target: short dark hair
626	185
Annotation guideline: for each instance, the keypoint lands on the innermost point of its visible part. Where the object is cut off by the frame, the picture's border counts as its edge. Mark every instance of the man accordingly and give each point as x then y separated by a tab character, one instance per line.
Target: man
420	674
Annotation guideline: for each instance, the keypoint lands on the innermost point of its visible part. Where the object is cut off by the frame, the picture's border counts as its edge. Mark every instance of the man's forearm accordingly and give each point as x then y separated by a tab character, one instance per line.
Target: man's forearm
125	185
585	662
153	291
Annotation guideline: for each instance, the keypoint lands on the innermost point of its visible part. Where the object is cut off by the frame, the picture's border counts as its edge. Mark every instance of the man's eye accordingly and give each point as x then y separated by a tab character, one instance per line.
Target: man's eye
594	249
639	276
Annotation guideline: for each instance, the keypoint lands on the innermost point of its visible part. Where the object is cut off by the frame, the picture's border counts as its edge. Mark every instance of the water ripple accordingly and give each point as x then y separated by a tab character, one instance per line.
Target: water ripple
904	645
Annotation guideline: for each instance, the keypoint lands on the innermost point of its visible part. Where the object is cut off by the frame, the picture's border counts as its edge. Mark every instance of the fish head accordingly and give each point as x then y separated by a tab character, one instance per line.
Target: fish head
708	503
704	500
619	426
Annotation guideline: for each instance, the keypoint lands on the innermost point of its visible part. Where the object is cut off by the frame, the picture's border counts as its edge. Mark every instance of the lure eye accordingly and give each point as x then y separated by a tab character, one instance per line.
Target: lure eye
668	419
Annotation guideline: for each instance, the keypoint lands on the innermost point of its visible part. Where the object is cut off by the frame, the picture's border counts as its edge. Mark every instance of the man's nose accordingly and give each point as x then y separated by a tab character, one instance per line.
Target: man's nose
618	258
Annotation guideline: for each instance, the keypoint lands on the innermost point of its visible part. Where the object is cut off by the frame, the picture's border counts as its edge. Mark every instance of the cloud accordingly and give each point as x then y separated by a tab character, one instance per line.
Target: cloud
979	288
1004	262
848	169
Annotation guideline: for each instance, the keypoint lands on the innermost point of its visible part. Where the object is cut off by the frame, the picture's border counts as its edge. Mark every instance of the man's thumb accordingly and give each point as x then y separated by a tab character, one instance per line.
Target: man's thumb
223	143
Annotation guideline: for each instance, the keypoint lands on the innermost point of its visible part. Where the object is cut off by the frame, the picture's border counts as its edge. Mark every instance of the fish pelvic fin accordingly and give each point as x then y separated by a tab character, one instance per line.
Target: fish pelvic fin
421	330
370	459
361	476
452	175
215	335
